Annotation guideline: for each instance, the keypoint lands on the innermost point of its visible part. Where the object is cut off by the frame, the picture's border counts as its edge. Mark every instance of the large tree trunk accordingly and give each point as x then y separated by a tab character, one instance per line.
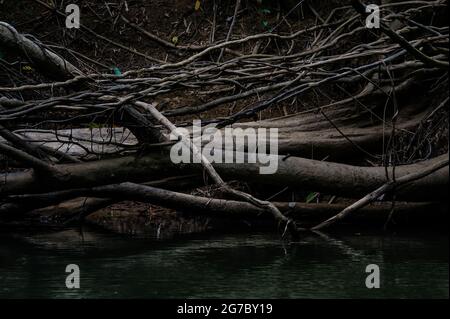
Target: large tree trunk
300	173
356	111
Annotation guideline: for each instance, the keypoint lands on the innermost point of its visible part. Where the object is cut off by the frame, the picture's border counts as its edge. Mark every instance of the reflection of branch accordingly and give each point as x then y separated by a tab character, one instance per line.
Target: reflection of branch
382	190
346	249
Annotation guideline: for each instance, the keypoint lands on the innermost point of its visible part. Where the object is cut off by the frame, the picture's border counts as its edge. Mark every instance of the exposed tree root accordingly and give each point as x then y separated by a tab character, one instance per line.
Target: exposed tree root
356	110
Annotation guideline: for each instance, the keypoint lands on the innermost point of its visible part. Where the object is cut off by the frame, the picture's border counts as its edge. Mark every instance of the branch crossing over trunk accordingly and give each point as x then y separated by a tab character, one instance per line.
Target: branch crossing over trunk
267	206
389	186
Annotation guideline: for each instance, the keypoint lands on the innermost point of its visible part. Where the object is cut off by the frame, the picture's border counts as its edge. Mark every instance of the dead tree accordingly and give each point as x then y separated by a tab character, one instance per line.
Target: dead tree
358	112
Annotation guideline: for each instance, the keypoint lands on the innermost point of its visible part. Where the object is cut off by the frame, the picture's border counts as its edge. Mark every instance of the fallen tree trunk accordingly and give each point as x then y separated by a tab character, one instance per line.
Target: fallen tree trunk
48	62
349	95
298	173
197	154
152	221
381	191
210	207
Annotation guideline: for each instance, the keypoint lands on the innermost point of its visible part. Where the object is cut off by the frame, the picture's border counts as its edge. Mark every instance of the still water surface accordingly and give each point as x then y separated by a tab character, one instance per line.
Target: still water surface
228	266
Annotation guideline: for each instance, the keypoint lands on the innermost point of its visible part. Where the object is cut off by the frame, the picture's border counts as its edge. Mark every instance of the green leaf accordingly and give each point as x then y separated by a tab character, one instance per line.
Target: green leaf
95	125
311	197
265	23
117	71
266	11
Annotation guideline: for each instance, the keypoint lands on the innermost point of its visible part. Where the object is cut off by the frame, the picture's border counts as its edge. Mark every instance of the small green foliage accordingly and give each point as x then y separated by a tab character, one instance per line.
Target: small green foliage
264	12
27	68
311	196
93	125
117	71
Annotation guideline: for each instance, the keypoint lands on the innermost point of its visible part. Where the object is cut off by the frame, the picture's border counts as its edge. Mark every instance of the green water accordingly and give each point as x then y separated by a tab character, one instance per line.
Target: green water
229	266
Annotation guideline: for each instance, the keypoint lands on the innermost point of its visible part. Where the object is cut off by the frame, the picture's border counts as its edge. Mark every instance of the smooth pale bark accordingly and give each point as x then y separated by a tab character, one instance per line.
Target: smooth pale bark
78	142
386	188
197	154
316	140
298	173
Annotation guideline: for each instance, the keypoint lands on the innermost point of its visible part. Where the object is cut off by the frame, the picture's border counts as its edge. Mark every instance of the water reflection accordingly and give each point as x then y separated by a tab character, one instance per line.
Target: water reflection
231	266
